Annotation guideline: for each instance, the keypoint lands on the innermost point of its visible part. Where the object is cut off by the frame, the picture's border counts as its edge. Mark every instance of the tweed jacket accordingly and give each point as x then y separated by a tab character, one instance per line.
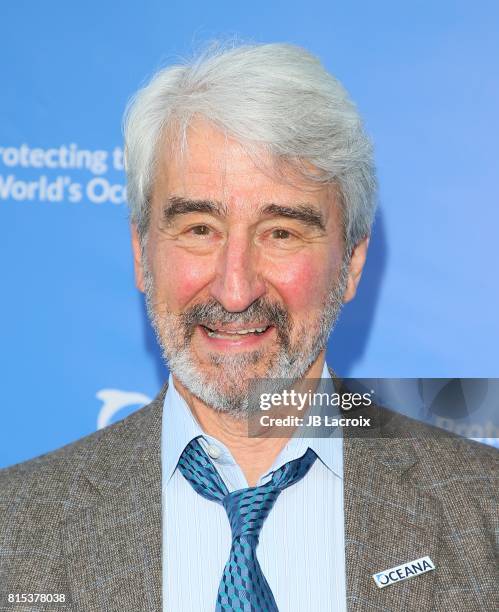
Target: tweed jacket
85	520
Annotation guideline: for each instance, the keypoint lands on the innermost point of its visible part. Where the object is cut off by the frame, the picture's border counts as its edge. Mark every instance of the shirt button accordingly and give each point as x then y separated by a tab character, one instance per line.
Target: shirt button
214	452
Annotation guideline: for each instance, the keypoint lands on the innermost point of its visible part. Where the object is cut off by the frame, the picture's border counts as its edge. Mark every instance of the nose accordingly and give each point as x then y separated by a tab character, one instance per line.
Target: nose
237	283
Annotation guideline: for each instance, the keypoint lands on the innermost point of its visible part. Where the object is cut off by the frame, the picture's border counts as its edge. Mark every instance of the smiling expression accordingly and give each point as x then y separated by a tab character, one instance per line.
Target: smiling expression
244	272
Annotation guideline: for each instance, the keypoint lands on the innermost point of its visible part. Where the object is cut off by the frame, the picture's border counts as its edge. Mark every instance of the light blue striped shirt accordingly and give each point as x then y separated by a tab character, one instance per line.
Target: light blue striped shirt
301	549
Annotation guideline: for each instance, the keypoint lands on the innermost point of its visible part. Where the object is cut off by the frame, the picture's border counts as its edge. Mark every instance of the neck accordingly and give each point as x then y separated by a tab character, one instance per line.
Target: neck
254	456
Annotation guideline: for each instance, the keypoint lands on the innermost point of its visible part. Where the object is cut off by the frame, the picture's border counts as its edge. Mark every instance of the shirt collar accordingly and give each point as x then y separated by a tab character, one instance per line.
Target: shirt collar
179	427
329	450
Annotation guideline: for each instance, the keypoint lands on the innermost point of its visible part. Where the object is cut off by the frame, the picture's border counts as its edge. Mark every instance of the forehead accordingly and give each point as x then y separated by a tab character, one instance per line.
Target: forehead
216	166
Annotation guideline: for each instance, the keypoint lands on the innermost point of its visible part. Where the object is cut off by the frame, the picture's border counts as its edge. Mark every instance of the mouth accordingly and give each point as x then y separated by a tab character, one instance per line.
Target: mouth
234	333
232	337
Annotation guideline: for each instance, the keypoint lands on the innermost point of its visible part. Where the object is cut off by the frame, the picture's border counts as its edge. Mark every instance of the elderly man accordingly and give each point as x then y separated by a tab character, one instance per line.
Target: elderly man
252	189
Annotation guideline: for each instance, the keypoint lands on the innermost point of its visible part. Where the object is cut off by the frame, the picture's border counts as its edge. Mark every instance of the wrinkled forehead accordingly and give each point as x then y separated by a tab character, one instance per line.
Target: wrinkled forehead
202	161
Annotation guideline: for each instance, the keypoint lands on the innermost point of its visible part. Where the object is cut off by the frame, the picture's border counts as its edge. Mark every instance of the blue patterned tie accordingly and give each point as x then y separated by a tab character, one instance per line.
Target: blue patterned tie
243	587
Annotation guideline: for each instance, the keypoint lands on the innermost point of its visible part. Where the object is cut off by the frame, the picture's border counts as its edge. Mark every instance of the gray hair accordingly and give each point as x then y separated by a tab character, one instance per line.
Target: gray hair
272	96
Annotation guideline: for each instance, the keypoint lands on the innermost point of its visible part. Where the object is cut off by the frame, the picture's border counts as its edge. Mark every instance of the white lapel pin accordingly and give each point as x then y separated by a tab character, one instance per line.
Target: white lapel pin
403	572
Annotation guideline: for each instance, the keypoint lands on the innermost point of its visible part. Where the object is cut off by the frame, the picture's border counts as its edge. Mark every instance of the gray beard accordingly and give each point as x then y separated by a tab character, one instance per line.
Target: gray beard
229	391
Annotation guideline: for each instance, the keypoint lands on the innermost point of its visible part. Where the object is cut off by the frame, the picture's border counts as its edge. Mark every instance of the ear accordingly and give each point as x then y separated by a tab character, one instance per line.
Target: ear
357	261
137	258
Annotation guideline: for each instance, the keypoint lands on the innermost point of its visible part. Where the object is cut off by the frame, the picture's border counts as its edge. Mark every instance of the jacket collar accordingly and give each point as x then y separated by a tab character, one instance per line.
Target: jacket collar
112	544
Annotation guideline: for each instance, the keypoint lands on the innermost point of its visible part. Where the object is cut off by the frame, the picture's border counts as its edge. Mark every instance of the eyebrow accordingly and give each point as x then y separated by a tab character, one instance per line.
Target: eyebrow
183	206
304	213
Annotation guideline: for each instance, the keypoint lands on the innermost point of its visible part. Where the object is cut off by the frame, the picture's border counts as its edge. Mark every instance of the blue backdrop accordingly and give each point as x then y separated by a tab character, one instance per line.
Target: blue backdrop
77	351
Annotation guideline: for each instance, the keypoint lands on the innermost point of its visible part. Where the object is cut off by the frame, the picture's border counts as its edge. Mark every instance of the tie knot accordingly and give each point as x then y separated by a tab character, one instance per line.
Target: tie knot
247	509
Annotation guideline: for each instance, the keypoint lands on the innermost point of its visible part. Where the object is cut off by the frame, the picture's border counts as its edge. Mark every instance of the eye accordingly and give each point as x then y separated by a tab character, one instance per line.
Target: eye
281	234
199	230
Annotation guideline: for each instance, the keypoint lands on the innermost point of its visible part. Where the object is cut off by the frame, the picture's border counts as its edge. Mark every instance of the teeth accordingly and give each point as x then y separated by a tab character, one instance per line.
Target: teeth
241	332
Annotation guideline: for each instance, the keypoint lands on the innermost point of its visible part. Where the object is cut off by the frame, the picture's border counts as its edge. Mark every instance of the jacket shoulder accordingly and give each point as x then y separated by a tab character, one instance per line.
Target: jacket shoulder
446	452
52	474
38	497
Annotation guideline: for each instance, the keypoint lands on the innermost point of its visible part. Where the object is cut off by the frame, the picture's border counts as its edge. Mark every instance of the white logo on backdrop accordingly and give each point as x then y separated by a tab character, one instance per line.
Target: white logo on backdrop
115	400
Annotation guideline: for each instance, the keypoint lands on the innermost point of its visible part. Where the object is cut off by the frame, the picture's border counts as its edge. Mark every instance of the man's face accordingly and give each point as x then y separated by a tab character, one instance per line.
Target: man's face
243	272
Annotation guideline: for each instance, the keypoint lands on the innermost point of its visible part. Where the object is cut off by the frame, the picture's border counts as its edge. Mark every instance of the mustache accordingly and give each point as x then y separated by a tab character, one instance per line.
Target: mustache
212	313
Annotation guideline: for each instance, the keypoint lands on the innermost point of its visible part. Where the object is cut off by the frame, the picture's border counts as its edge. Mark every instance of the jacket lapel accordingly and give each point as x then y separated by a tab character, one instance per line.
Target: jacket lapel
113	544
388	522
